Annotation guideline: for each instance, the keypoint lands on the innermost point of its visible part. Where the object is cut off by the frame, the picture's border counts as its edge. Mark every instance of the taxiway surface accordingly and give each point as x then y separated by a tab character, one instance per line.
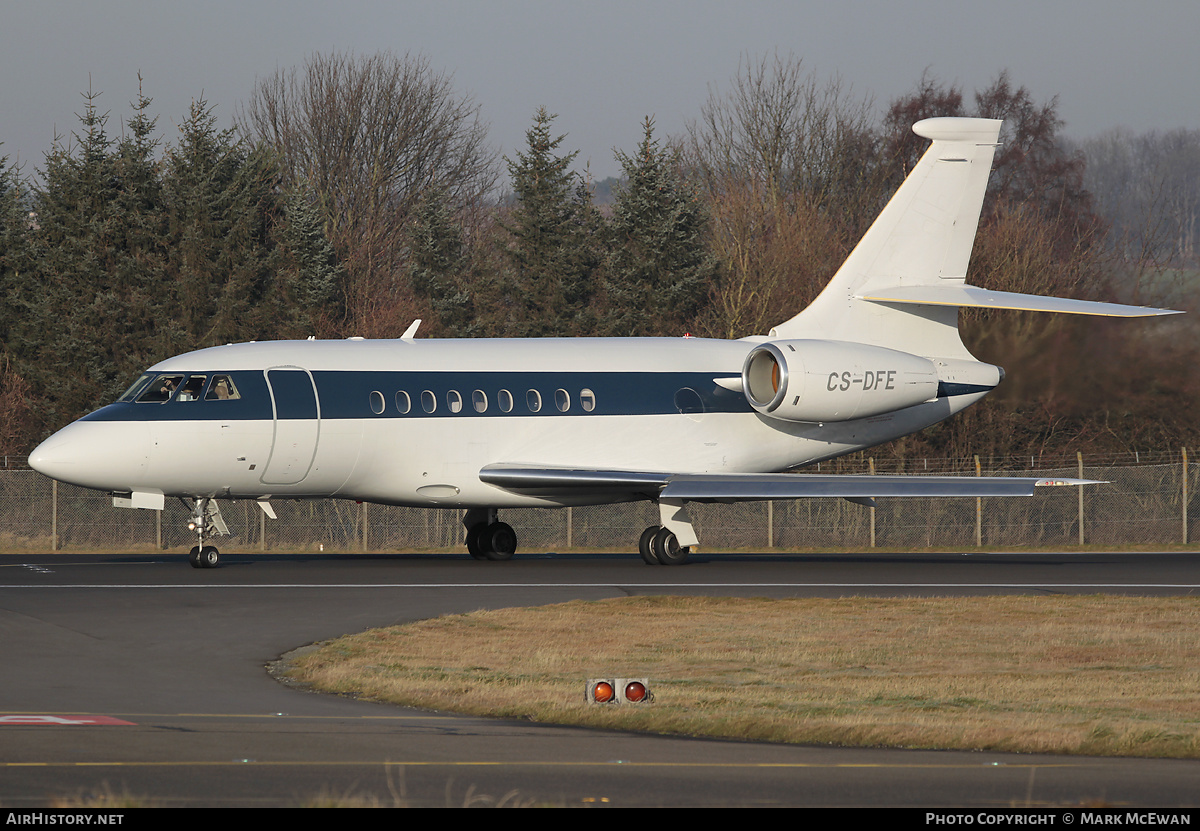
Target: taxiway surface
179	655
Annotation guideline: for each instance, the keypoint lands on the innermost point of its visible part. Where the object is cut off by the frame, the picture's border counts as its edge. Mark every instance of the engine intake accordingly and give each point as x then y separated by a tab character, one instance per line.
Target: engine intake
817	380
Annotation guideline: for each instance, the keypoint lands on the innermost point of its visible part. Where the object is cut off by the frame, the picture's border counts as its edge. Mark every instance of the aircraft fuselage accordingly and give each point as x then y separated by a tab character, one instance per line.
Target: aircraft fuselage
405	422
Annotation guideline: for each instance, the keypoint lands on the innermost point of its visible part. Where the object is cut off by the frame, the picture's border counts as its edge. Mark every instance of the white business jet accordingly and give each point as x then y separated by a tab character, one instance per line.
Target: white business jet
484	425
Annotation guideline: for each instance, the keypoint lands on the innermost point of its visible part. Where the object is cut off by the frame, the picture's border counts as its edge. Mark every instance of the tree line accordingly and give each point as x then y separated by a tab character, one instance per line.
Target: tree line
358	193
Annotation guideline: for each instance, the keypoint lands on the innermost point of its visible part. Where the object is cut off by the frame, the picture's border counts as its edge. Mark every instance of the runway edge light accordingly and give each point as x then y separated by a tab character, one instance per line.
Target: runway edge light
618	691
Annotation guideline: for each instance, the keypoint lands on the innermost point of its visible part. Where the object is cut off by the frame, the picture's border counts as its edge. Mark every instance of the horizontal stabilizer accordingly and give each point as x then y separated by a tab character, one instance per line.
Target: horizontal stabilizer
973	297
747	487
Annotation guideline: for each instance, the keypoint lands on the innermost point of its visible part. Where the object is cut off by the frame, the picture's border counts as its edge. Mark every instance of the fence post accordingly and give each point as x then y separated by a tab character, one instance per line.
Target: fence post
570	518
1079	458
770	524
871	467
54	515
1183	510
364	526
978	509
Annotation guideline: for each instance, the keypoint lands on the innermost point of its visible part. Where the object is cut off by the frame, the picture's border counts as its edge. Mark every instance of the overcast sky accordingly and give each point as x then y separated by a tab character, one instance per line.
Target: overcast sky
602	66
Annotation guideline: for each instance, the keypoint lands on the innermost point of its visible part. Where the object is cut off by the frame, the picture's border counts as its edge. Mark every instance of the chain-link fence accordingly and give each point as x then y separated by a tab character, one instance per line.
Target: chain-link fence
1142	503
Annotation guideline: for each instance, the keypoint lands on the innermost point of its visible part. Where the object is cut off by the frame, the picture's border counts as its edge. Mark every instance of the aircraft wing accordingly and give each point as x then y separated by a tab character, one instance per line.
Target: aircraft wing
746	487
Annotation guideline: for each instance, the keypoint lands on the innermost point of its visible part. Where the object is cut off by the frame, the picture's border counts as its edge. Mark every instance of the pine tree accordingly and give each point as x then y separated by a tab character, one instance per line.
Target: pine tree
659	271
17	428
440	267
554	255
224	202
14	222
315	278
95	252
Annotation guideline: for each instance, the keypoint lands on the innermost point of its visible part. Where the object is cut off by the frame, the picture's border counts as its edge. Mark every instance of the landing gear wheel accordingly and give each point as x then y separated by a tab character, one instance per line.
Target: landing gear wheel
209	557
646	546
499	541
667	549
474	547
194	557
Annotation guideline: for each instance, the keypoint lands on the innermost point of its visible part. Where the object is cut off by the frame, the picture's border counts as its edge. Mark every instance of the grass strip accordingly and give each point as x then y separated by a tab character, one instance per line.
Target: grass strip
1094	675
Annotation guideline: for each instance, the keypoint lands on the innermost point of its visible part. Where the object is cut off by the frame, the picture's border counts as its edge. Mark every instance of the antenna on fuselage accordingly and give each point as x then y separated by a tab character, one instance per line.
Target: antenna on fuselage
411	331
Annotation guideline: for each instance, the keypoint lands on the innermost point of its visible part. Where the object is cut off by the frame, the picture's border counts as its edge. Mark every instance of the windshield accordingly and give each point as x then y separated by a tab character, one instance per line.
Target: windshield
136	387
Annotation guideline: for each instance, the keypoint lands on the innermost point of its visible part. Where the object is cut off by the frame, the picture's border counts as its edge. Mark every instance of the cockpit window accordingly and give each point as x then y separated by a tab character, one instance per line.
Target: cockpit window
132	393
192	388
160	389
222	389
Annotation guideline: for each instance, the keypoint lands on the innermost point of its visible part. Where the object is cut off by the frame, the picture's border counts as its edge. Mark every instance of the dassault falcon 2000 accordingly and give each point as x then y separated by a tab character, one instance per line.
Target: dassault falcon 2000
485	425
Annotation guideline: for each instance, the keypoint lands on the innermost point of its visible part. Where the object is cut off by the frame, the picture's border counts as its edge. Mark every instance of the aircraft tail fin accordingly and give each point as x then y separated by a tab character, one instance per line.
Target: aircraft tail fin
922	238
903	284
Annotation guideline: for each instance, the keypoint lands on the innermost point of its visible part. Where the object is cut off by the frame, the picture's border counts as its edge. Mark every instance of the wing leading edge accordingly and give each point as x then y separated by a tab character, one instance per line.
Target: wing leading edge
748	487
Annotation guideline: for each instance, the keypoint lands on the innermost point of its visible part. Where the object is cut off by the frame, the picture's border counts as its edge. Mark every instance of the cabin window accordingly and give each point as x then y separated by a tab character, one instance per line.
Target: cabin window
479	401
562	400
160	389
454	401
222	389
403	403
192	388
587	400
533	400
377	402
131	393
428	401
505	400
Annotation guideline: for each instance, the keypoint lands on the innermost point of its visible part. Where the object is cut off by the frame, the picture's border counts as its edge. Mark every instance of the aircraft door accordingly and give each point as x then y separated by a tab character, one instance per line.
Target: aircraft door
297	425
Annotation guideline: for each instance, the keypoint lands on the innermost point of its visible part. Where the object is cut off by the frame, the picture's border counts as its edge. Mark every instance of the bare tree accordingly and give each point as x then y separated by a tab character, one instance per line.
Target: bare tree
368	137
782	128
779	155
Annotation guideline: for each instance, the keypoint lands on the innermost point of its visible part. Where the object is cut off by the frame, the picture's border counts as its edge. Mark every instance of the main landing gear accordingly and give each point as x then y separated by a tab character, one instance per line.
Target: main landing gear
660	546
205	521
490	539
487	537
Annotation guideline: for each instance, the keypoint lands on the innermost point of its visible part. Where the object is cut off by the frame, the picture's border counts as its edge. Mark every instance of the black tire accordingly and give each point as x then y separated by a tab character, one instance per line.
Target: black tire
474	535
210	557
499	541
667	549
194	557
646	546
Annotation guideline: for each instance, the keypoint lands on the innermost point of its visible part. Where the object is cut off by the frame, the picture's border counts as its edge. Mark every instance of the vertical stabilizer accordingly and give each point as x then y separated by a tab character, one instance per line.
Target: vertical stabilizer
923	237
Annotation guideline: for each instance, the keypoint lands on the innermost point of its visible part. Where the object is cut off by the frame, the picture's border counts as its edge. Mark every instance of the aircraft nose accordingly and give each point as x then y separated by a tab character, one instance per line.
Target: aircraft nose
52	457
100	455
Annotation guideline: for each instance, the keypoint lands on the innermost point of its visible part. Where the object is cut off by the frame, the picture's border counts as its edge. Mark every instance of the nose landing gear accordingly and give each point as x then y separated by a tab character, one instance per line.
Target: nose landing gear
206	521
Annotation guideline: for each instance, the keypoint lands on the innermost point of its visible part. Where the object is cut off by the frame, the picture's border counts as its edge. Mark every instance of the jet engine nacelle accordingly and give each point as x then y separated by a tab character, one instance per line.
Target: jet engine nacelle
818	380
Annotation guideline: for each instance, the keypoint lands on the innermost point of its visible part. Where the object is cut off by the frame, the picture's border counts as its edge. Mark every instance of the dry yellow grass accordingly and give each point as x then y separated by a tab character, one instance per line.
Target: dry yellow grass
1089	675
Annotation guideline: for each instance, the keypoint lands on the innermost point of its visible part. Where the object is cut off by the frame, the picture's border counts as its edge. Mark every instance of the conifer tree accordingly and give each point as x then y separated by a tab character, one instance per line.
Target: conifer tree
440	267
315	277
16	406
554	255
659	271
95	251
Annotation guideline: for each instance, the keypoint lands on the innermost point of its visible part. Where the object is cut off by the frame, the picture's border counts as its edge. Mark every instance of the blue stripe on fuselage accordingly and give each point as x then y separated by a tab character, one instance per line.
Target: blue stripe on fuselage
347	395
